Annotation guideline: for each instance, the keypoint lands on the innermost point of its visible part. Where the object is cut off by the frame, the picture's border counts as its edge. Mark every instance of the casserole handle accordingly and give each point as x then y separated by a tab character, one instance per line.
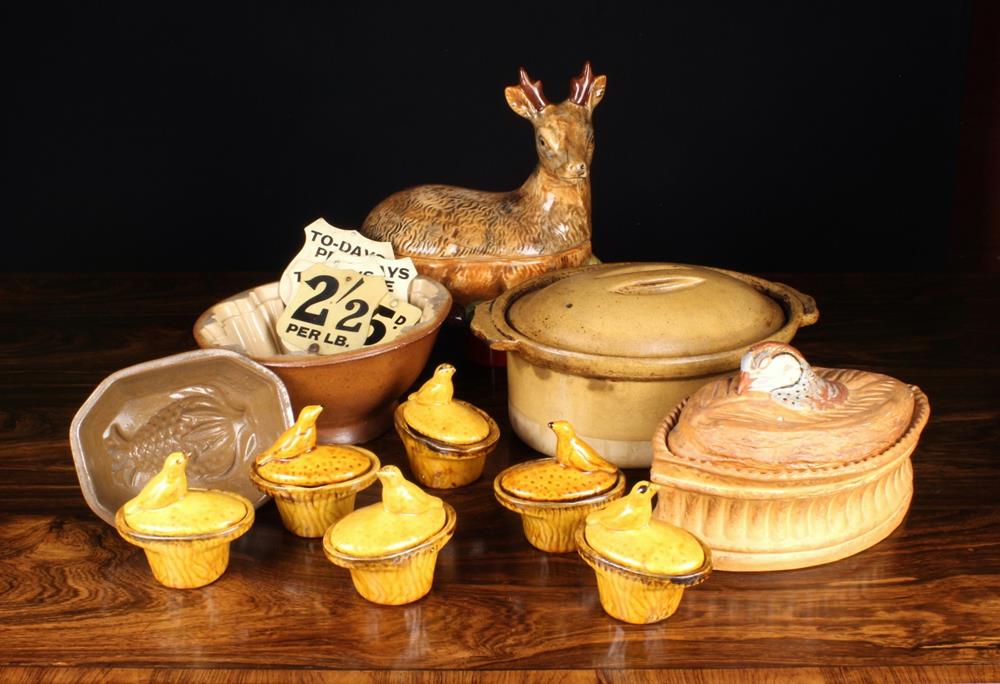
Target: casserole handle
485	329
810	314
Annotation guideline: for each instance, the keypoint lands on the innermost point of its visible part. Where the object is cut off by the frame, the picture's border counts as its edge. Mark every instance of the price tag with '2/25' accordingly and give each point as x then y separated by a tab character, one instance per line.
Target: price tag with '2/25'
331	310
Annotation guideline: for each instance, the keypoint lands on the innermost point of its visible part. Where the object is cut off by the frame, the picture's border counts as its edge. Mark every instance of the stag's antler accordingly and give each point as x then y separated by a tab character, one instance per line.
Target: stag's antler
533	90
581	85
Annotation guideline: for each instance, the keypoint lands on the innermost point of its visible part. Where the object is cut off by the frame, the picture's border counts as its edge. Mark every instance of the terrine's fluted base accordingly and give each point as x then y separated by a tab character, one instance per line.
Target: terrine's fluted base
756	520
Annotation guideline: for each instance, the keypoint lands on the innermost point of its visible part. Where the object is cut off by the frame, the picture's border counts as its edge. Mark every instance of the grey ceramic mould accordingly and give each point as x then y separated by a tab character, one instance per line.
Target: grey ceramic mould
218	406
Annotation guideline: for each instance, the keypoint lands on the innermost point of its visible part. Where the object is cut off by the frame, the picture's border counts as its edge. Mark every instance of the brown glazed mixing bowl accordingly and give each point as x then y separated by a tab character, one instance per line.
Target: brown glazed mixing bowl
357	389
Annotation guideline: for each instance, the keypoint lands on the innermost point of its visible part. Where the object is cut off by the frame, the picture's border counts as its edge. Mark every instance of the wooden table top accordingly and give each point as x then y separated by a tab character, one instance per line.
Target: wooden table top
77	603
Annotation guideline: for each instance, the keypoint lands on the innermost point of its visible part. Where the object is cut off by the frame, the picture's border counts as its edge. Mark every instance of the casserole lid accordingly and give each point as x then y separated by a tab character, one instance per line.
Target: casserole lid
641	321
645	310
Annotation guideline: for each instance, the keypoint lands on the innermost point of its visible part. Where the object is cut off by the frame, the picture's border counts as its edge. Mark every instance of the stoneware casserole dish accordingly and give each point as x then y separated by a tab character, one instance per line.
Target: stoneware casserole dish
613	347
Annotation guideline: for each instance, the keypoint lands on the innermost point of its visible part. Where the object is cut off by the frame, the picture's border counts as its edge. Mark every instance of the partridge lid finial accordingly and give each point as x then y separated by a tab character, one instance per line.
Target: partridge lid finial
780	370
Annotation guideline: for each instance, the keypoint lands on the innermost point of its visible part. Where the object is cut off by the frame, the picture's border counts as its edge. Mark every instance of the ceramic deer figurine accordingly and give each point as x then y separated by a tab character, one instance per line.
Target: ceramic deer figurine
480	243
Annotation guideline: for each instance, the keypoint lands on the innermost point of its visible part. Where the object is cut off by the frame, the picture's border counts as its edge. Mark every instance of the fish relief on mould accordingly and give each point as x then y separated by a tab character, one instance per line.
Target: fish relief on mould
202	421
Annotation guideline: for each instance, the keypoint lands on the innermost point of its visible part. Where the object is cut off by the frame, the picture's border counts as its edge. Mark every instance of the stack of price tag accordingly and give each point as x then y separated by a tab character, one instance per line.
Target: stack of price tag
343	291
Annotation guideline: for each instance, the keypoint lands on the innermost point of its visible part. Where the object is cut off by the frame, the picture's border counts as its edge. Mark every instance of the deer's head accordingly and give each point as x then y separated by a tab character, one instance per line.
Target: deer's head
564	135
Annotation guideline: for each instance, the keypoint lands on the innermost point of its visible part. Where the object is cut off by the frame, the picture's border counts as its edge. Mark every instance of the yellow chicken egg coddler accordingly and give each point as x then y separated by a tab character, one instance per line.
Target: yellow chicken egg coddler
446	440
554	495
184	532
391	547
642	564
313	485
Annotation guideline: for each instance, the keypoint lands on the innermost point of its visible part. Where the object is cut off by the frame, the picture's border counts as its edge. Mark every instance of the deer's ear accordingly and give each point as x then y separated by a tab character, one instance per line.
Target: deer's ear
597	92
520	102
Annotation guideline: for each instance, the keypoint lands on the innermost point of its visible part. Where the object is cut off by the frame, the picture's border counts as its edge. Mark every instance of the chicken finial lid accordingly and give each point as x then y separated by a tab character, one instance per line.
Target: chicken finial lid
166	507
780	412
434	412
296	459
625	533
576	471
783	372
405	517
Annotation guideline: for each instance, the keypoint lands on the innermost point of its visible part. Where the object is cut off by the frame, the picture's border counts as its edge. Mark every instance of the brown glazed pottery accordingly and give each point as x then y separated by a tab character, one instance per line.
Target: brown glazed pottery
358	388
786	466
481	243
215	405
613	347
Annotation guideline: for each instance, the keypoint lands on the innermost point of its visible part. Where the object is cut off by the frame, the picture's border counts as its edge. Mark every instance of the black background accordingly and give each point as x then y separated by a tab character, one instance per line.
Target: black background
791	136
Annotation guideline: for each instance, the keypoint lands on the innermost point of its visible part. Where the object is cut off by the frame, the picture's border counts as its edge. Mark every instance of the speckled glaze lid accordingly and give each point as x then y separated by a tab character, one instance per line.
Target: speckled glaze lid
646	310
324	464
545	480
641	320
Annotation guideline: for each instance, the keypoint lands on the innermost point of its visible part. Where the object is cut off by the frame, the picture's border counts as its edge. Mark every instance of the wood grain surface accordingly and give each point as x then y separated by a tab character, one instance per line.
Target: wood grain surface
79	604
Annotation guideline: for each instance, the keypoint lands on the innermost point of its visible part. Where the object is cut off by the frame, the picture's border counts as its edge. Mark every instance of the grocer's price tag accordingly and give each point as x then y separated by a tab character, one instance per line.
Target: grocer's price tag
324	243
392	317
331	310
398	273
292	276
